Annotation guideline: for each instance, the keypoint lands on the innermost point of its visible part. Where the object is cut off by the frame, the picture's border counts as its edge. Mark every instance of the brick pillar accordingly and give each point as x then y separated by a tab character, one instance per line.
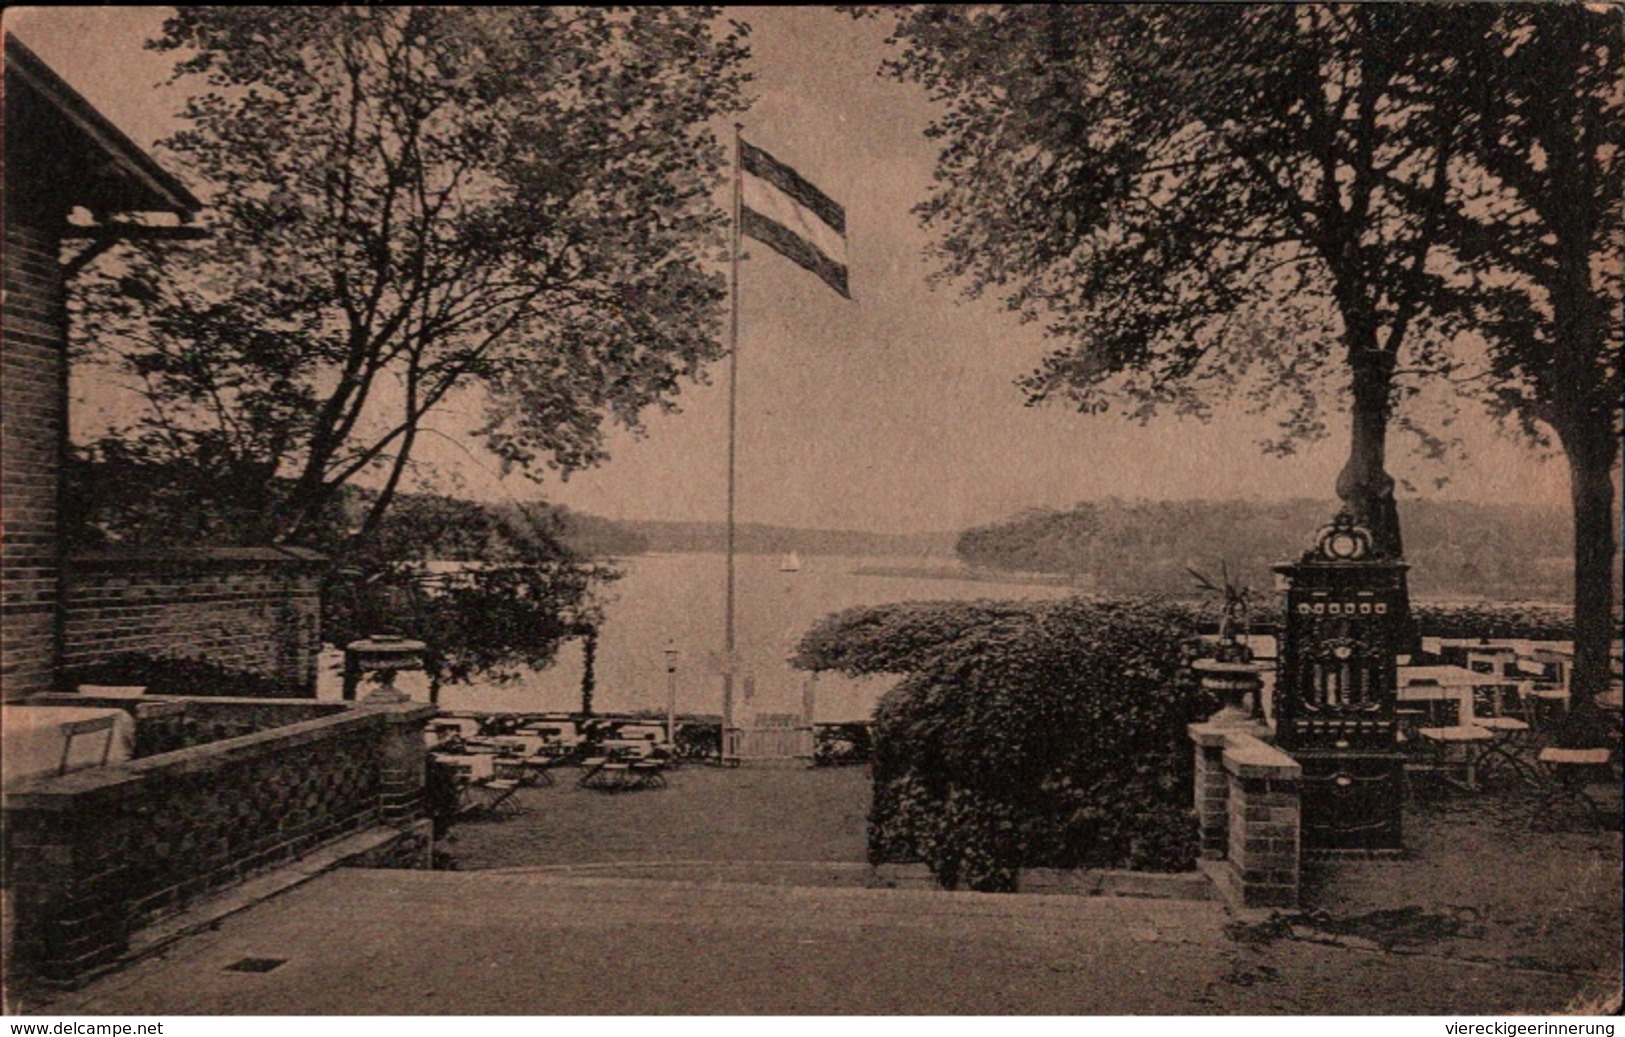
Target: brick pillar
1263	852
67	875
33	427
1212	791
1213	784
402	760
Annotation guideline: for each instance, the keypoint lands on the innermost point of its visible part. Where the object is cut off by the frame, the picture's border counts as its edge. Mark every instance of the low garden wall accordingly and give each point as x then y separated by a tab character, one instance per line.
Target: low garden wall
256	610
93	855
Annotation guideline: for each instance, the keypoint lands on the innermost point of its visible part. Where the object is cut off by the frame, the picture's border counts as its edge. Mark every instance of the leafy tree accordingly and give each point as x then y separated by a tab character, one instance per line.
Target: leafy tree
1537	226
520	594
1198	201
412	206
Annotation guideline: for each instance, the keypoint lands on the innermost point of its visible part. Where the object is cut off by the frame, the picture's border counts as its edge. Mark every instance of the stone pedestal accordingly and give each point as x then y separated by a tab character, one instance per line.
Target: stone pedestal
1238	685
385	656
403	762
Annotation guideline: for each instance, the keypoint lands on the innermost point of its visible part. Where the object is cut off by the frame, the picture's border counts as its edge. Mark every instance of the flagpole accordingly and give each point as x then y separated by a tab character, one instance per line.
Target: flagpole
733	448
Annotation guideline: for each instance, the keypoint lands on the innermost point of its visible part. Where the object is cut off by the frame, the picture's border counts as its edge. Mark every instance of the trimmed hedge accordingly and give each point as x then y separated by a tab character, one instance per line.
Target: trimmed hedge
699	740
1025	734
1509	622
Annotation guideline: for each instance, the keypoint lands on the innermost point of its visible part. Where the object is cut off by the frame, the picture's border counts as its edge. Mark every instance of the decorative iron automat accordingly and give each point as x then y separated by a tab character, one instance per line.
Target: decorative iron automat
1347	620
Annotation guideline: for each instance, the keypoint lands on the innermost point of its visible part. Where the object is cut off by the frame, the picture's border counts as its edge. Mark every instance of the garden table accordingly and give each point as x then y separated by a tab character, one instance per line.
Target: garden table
480	788
1567	773
1508	749
607	775
468	766
610	774
1451	683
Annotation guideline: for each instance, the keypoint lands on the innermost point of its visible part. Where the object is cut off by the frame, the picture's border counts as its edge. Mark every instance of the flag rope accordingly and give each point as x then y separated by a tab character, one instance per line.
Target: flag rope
733	441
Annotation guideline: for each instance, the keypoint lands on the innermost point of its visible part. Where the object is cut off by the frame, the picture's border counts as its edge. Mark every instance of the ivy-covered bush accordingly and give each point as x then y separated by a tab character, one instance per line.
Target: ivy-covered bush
1025	734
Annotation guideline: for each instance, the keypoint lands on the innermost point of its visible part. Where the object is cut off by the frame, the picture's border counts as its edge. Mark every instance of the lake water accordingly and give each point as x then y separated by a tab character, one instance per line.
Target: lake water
678	599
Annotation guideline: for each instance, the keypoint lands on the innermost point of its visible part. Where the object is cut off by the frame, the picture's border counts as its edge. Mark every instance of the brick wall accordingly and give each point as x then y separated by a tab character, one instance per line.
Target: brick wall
254	609
93	855
33	407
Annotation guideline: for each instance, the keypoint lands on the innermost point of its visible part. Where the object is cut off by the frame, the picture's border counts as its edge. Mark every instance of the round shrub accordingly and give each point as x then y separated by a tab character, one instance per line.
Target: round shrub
1025	734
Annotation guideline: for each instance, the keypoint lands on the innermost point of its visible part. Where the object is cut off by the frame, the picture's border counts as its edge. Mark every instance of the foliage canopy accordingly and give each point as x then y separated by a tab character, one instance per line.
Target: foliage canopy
415	206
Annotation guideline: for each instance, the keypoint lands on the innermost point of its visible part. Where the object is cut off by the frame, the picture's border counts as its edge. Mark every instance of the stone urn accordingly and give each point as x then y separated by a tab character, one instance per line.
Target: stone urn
385	655
1231	674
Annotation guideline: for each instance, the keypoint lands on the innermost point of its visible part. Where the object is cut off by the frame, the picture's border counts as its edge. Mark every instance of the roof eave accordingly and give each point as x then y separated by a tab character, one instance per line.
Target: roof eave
128	156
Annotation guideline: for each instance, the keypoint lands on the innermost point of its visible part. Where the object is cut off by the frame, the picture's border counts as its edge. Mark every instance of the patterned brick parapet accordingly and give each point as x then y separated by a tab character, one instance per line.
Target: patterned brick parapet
93	855
1247	799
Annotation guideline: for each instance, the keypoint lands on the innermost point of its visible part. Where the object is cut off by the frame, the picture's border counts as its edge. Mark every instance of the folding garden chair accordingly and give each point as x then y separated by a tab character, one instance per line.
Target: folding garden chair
1569	776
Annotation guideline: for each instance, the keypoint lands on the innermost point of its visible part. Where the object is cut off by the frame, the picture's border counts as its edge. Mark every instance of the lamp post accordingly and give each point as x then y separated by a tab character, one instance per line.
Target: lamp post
671	696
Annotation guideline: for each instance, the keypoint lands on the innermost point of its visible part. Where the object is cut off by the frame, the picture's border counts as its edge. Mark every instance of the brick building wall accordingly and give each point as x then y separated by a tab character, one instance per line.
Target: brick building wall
33	409
58	154
254	609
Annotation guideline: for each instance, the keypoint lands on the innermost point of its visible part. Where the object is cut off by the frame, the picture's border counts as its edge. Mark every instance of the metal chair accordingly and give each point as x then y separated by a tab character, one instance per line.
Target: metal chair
72	729
1569	774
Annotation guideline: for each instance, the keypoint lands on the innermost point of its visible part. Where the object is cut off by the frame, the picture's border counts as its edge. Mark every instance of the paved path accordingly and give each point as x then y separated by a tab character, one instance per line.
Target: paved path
535	943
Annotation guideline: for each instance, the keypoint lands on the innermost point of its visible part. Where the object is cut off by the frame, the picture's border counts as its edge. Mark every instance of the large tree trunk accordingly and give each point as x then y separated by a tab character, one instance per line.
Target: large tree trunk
1364	486
1590	453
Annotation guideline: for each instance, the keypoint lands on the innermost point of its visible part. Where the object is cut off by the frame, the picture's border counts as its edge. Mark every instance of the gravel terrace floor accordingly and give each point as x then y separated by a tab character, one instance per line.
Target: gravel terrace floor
1477	881
738	815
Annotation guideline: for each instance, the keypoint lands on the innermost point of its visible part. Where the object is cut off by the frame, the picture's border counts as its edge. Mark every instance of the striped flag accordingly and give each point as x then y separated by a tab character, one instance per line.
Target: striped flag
798	221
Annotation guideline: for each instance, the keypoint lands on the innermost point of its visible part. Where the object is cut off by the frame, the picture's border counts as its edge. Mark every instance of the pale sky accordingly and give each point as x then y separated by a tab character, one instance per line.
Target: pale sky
896	411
